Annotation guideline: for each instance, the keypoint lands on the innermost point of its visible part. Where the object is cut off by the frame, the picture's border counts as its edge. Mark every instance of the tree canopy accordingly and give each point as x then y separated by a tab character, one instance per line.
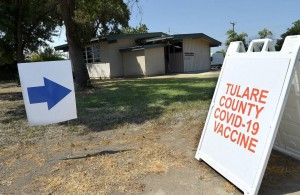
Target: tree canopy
25	25
294	30
49	54
95	18
142	28
222	52
233	36
265	33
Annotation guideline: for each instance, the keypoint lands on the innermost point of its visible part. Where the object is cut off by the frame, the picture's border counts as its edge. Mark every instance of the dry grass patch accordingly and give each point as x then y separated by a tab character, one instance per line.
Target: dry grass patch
230	188
109	173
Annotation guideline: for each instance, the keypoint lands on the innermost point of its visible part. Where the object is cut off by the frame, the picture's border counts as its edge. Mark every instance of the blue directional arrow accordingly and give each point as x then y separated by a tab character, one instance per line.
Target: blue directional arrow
52	93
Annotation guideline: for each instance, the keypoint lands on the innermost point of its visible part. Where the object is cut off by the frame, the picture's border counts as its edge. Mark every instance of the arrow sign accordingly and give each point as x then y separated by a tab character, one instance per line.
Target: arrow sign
52	93
58	95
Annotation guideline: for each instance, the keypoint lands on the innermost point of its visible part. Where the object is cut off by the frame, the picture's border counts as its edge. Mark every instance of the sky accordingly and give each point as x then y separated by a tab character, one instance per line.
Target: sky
213	17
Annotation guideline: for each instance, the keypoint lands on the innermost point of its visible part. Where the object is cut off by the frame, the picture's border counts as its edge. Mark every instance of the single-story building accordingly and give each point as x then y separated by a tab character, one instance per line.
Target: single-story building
147	54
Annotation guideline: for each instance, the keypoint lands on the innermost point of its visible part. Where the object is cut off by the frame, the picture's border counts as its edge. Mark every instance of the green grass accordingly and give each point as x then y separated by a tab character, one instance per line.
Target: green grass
113	103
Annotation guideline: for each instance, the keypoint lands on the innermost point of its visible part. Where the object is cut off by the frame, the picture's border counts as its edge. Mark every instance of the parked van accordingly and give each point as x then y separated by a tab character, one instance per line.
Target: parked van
217	60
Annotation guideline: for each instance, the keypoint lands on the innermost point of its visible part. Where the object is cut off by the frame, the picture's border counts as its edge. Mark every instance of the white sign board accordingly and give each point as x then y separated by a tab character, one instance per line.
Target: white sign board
48	91
245	112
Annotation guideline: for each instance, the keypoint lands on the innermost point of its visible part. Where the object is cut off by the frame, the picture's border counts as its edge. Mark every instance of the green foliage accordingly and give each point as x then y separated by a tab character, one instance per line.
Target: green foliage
221	51
294	30
48	54
26	24
142	28
99	17
7	55
265	33
233	36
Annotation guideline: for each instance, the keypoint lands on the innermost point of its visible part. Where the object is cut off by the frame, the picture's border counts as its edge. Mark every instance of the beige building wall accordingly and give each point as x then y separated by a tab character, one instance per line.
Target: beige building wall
155	61
115	56
194	58
104	54
134	63
176	62
98	70
196	54
111	64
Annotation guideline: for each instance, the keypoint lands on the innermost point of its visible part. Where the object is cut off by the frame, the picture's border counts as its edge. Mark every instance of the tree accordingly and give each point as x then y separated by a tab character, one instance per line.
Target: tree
86	19
49	54
142	28
67	8
222	52
294	30
265	33
25	25
233	36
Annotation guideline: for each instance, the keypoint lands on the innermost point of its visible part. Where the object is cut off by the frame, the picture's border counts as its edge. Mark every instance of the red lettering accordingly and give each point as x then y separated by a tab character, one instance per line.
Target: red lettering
225	134
233	131
222	115
252	144
228	102
254	94
220	130
228	86
238	91
244	140
250	108
222	98
238	121
246	93
263	96
215	115
216	126
258	111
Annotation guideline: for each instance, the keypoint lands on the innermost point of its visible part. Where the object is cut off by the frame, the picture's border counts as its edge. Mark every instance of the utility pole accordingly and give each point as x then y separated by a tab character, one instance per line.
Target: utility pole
233	23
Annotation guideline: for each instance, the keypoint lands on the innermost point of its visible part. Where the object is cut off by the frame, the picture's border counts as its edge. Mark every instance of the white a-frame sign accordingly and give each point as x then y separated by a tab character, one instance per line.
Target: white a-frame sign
257	93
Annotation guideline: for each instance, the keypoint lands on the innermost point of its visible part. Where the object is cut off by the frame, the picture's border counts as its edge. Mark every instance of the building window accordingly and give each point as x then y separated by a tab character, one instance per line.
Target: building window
91	53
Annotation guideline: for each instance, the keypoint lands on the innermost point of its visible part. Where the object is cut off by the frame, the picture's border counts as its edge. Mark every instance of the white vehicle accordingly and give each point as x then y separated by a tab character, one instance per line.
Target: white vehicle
217	60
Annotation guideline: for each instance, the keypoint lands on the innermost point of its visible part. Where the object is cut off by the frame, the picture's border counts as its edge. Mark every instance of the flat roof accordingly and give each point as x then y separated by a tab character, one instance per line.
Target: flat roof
213	42
149	37
136	48
113	37
64	47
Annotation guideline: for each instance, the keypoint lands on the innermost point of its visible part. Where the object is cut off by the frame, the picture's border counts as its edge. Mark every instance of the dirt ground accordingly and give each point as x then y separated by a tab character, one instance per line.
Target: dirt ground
134	159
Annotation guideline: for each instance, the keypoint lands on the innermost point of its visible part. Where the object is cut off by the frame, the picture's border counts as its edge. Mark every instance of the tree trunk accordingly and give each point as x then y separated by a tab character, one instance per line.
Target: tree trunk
19	35
81	77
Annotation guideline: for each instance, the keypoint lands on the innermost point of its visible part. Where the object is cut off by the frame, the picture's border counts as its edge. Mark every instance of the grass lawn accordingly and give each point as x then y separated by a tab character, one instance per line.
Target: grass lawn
114	103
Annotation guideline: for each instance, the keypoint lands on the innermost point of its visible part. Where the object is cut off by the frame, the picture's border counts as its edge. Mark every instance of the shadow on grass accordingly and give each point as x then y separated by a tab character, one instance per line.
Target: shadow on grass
13	115
117	102
14	96
12	111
